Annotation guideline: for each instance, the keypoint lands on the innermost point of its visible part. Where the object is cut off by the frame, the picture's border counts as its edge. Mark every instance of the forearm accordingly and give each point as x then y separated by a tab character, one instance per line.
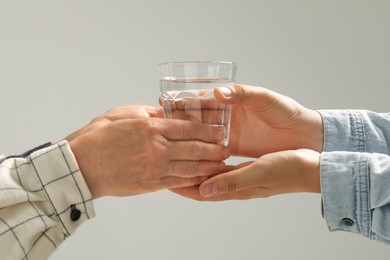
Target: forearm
45	194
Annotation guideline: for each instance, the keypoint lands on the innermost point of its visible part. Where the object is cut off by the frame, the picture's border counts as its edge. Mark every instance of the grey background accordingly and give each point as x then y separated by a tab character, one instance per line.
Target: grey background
64	62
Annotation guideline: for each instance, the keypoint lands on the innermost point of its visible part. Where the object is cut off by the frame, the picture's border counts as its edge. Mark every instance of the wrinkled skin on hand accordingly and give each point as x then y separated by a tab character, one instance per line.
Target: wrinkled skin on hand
128	151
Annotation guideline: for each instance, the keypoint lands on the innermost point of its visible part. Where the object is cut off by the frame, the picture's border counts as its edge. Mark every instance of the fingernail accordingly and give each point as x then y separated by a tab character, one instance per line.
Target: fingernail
226	153
210	190
226	91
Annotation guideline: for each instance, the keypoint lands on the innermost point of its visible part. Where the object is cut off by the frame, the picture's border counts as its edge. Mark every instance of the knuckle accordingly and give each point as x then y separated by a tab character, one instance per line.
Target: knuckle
96	120
150	127
141	125
108	111
198	150
231	184
174	182
240	89
189	131
180	182
191	168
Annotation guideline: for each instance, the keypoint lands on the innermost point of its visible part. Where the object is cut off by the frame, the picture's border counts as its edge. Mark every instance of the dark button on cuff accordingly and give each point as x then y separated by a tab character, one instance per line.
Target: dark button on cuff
75	214
347	221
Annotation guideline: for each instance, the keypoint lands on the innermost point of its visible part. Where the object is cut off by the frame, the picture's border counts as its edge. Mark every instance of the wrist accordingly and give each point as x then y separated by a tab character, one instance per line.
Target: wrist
318	132
313	133
311	168
84	163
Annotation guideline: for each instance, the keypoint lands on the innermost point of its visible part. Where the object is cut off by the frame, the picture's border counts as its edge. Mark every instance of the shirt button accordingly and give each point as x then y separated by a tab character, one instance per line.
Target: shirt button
75	214
347	221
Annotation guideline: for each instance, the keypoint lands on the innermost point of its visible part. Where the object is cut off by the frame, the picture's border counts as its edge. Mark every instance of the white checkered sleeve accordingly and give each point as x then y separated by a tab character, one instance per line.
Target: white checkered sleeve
43	199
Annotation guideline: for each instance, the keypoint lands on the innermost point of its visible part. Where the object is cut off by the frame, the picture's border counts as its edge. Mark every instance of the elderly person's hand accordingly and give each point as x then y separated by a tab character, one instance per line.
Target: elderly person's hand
127	151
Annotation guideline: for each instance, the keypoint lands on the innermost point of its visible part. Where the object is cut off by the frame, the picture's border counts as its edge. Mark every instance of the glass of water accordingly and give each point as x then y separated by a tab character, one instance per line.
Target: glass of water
187	91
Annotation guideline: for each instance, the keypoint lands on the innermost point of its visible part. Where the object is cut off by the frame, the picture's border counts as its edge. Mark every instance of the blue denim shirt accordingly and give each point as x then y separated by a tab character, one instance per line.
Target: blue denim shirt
355	172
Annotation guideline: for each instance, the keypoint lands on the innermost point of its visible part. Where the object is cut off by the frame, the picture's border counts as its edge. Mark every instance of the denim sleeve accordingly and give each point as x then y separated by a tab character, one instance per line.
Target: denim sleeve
356	193
356	131
355	172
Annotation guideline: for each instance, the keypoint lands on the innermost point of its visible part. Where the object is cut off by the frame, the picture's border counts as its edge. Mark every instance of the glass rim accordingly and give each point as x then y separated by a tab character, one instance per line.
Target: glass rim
233	63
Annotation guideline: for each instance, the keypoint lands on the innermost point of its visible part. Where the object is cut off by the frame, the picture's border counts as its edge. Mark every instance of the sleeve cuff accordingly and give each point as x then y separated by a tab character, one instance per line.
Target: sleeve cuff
64	185
343	130
345	191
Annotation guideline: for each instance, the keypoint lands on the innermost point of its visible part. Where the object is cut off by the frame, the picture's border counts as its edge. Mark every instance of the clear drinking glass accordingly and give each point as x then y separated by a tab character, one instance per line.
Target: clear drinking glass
187	91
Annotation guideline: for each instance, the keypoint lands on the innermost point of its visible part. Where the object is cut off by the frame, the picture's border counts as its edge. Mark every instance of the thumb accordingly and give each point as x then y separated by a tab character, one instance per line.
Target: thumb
258	97
243	177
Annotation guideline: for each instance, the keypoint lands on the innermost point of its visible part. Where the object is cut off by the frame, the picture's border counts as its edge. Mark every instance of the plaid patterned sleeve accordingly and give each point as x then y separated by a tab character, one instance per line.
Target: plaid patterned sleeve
43	199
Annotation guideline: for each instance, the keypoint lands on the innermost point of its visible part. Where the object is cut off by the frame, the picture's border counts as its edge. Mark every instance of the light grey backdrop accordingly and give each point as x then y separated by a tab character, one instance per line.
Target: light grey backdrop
64	62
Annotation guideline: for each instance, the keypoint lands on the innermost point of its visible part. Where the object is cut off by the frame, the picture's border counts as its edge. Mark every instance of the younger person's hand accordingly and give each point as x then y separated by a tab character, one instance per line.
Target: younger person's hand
264	121
272	174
